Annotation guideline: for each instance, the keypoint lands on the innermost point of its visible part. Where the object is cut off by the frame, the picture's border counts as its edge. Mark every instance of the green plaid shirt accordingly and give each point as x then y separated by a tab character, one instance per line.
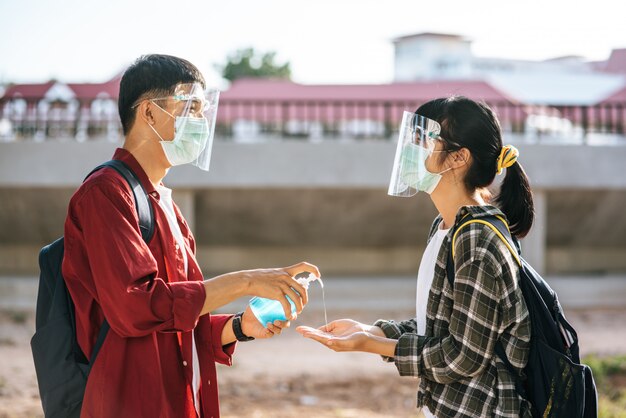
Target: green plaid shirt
460	374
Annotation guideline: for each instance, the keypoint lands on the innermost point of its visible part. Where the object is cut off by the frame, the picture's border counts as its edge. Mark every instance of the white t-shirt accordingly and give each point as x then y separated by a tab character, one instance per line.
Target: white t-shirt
425	277
167	205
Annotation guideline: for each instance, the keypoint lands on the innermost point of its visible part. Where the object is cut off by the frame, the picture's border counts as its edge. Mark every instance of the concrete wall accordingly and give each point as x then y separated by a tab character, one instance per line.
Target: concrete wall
302	164
278	203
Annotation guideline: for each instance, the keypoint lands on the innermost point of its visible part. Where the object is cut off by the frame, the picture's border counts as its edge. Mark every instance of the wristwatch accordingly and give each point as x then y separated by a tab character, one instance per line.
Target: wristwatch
237	328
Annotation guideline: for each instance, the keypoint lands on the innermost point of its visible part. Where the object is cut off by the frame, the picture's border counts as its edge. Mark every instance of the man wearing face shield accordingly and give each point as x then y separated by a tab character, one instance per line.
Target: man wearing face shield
158	357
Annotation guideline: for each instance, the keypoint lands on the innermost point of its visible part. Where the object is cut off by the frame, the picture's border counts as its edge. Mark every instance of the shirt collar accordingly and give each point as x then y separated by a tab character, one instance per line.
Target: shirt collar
126	157
477	212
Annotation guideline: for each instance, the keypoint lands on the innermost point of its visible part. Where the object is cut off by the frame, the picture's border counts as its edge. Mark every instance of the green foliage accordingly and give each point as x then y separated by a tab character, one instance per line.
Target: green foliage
610	408
605	367
610	376
247	63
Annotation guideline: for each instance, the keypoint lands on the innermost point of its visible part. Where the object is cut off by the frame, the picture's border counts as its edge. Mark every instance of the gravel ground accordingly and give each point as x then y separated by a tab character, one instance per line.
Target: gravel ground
290	376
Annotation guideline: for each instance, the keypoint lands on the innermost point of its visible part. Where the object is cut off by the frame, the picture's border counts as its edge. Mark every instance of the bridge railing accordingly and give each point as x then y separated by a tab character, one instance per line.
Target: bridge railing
268	119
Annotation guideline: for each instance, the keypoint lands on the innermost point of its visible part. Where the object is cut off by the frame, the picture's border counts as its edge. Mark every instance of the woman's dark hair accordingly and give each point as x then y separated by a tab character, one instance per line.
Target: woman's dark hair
472	125
152	76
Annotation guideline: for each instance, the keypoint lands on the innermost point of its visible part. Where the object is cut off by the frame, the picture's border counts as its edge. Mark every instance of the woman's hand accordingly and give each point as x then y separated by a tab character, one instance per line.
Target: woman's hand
349	335
251	326
349	341
342	327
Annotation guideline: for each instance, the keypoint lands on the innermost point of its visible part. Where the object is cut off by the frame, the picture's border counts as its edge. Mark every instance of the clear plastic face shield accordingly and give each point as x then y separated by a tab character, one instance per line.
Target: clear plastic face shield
194	111
416	142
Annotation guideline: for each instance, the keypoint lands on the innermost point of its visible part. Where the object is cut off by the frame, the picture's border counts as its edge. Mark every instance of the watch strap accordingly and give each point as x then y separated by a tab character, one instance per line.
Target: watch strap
237	328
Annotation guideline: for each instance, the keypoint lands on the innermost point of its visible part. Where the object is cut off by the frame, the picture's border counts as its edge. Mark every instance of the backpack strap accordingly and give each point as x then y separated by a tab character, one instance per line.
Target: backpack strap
146	225
142	203
499	225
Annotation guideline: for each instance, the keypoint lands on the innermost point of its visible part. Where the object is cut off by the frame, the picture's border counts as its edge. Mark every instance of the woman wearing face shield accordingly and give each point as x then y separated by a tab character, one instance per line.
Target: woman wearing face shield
452	150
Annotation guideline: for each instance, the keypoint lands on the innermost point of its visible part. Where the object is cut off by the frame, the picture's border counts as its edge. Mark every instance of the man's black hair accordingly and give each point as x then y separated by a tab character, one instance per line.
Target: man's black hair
149	76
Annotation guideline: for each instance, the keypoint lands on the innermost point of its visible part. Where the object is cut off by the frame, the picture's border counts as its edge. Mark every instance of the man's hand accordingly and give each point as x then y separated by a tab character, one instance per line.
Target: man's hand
251	326
278	283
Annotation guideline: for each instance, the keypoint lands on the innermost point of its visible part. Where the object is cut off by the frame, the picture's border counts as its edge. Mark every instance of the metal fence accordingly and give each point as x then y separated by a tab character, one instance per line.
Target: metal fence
365	119
265	119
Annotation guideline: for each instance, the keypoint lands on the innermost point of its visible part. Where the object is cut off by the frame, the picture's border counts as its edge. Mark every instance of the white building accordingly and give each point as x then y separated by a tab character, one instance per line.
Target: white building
428	56
569	80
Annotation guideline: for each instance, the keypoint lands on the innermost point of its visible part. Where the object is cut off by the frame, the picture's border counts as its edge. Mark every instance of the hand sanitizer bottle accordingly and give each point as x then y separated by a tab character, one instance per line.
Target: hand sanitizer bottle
269	310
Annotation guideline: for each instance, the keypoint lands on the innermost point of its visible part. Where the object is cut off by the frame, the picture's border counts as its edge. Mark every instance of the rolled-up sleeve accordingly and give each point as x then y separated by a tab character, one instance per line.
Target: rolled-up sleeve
223	353
134	299
188	299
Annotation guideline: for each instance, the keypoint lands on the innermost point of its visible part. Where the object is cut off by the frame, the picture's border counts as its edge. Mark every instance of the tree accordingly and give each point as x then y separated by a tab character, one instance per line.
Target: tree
249	63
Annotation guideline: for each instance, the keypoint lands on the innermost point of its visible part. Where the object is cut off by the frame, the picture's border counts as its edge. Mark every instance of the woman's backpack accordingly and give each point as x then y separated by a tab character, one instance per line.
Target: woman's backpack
554	381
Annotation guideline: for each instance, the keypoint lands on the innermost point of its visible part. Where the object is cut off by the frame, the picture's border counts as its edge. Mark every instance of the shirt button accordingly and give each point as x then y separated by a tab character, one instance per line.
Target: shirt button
208	381
177	246
184	362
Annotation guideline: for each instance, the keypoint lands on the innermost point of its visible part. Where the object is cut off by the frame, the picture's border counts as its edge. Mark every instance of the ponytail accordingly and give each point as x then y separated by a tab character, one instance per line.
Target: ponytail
515	200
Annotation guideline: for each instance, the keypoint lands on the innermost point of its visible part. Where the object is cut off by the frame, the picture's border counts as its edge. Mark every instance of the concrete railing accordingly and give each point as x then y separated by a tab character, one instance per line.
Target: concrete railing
302	164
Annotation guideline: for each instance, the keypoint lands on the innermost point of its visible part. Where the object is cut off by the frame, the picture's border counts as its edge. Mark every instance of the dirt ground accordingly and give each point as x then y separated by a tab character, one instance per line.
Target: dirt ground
290	376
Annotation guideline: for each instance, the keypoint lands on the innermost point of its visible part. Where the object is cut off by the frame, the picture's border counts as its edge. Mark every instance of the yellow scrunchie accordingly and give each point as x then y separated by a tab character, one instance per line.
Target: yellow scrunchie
508	157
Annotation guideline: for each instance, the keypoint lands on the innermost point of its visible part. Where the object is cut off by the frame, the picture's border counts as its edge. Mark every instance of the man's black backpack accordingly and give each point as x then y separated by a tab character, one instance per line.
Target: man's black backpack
554	381
62	368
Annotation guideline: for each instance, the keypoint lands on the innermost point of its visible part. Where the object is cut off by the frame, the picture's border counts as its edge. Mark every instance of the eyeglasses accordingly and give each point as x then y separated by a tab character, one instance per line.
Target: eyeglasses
190	103
425	137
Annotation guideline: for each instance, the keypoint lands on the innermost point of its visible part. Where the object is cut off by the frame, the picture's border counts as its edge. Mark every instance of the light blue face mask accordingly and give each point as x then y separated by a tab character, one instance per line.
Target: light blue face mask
414	173
190	137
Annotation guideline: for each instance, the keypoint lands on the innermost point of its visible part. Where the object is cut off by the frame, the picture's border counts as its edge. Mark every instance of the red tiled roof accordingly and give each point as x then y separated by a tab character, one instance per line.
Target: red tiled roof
618	96
275	100
83	91
280	90
616	62
28	91
91	91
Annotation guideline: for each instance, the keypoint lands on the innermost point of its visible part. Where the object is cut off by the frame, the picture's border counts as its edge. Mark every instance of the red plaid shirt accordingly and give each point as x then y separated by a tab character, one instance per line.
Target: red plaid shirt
144	368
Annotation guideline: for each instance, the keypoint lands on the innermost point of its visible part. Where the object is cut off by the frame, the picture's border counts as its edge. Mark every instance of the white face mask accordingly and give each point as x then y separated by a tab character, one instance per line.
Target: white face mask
190	137
415	174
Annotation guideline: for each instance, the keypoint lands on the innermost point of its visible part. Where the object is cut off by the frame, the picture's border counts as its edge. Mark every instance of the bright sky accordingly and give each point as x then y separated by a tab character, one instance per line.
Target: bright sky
326	41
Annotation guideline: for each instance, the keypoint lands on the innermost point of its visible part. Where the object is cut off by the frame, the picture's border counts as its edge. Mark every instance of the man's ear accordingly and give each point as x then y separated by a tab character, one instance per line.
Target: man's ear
144	111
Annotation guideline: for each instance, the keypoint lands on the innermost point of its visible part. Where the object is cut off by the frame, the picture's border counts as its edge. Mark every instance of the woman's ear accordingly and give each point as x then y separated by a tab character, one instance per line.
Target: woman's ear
460	158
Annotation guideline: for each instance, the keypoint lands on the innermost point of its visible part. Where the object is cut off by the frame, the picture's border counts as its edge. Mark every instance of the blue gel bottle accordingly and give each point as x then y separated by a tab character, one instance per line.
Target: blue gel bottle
269	310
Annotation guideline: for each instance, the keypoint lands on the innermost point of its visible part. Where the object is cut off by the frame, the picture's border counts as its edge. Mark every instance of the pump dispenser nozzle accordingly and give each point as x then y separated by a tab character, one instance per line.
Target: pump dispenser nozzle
269	310
310	278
